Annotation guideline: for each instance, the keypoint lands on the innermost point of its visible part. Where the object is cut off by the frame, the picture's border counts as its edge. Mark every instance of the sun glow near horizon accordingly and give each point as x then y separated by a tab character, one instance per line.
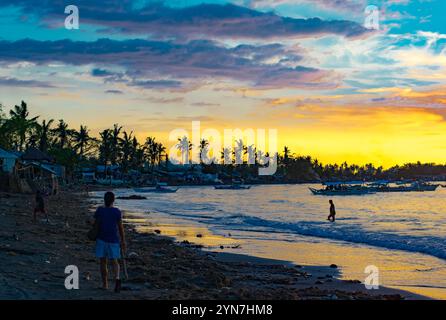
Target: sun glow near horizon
336	91
383	136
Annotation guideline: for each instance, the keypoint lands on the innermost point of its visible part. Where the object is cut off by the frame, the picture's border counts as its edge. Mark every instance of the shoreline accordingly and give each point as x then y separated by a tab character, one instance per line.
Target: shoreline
99	186
230	247
33	258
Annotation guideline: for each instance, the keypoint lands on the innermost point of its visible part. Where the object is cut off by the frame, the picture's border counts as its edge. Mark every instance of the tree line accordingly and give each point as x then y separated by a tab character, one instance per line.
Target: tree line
75	148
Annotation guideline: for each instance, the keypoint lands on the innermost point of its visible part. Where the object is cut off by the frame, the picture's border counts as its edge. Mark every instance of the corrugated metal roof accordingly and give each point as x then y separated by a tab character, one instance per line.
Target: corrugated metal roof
5	154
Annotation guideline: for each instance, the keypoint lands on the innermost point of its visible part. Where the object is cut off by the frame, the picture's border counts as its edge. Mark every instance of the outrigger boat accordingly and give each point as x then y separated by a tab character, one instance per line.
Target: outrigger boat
232	187
402	186
159	188
235	185
342	189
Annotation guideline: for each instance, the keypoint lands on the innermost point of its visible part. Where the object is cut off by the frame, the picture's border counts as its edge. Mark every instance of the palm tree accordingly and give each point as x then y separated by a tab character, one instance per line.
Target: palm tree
43	133
150	151
81	139
5	136
20	124
203	149
160	151
184	146
238	151
251	152
115	152
137	154
127	147
62	134
261	156
105	148
226	156
2	127
286	155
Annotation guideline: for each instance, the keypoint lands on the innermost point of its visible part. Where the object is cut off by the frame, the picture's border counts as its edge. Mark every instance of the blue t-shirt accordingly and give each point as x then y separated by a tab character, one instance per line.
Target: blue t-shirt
108	223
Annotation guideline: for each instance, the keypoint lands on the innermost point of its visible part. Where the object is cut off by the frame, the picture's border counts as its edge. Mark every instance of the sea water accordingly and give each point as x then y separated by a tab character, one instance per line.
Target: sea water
402	234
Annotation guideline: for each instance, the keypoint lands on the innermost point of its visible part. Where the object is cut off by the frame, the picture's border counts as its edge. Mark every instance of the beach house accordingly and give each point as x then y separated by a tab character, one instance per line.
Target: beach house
35	157
7	161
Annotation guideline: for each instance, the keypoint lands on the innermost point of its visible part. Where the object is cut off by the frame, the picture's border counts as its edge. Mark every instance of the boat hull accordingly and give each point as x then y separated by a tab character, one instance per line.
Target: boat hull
156	190
407	189
356	192
232	187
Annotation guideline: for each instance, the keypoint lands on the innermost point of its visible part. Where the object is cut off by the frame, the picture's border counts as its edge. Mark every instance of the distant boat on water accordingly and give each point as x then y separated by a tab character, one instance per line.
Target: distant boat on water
159	188
232	187
342	189
236	184
404	186
360	188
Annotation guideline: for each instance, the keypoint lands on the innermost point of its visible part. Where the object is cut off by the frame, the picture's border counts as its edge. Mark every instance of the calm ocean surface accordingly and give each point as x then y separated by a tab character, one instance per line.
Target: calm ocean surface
403	234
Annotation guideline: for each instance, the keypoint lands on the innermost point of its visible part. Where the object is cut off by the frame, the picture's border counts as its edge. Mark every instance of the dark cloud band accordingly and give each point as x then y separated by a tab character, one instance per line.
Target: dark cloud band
159	21
157	64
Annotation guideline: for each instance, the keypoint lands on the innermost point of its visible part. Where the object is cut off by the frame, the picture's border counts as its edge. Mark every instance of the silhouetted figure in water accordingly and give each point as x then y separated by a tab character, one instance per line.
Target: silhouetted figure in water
331	216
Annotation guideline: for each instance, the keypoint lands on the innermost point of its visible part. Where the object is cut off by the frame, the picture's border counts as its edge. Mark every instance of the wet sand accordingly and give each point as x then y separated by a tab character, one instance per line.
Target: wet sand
33	258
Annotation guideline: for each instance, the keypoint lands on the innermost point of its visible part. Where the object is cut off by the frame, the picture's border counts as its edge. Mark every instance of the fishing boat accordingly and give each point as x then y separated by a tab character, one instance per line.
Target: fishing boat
345	192
402	186
236	184
342	189
155	190
423	186
232	187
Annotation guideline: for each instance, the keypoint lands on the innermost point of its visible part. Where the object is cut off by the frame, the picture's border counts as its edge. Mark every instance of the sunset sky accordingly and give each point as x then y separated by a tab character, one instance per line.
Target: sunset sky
308	68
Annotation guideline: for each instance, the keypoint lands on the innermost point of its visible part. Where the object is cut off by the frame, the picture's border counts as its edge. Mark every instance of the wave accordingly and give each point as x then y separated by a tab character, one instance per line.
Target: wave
279	201
347	229
434	246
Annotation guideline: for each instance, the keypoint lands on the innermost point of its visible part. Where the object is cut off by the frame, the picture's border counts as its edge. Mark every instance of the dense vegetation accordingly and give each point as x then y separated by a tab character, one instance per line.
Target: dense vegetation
75	148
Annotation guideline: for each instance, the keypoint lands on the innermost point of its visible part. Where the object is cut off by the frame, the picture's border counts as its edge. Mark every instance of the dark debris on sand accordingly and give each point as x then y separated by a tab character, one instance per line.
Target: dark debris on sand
33	258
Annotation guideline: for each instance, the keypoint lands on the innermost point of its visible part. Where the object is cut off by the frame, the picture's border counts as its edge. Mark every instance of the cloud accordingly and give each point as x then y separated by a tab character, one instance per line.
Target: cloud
340	5
101	73
148	84
157	20
114	91
205	104
157	64
162	100
13	82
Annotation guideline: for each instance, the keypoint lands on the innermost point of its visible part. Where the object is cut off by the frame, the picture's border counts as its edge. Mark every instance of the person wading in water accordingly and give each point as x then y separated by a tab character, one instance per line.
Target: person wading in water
332	215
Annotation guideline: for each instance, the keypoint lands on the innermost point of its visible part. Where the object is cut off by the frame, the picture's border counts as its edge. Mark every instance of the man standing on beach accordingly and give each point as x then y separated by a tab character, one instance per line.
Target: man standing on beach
110	242
331	216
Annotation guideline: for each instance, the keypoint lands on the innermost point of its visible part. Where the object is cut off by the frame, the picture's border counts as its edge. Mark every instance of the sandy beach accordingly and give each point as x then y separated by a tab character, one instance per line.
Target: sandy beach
33	258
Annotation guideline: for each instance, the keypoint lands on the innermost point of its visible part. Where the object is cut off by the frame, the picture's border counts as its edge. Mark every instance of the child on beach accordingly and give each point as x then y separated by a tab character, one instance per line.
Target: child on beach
331	216
39	206
110	240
